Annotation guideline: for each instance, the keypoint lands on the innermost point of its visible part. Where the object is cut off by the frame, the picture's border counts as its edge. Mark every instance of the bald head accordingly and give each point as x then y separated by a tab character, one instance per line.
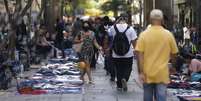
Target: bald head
156	17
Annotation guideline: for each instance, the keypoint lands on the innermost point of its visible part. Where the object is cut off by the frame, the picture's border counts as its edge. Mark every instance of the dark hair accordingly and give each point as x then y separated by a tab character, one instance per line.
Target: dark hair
124	17
86	26
106	19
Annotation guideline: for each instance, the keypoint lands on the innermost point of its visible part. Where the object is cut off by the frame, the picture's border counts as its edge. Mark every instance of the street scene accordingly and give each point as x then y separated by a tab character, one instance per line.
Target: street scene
100	50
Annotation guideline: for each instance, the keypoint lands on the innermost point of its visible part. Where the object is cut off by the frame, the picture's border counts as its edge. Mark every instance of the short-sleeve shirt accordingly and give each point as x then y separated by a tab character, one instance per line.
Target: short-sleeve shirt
157	44
131	35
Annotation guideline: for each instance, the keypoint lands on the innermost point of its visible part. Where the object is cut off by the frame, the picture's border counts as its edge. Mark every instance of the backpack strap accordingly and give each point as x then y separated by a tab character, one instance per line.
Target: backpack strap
117	31
126	29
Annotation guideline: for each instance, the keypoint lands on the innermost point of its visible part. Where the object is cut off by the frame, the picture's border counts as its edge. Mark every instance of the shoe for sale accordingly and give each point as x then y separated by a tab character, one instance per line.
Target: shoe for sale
124	85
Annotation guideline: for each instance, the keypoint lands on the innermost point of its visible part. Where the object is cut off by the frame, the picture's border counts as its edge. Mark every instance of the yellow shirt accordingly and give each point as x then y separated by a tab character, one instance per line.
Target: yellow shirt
157	44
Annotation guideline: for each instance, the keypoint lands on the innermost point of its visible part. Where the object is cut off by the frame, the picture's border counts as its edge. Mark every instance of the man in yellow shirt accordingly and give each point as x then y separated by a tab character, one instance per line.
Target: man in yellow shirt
154	48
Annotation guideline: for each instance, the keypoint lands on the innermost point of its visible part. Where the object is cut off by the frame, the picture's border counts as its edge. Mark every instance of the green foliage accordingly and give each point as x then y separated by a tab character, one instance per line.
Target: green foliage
118	5
87	4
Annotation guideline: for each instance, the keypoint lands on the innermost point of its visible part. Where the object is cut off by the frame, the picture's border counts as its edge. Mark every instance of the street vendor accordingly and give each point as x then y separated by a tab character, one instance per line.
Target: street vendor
195	66
67	42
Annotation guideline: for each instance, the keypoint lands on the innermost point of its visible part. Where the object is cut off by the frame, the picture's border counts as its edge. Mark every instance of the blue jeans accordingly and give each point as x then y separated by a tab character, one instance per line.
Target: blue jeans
155	91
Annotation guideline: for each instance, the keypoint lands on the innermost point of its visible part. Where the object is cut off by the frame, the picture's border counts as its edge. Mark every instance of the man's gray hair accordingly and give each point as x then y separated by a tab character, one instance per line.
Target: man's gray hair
156	14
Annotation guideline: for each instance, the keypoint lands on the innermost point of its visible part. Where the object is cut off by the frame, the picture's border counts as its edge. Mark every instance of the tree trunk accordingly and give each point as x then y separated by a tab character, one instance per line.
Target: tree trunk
52	11
13	18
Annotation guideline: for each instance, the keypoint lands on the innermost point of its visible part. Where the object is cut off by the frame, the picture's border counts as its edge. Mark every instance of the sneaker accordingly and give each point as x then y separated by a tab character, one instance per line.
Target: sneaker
91	82
119	89
112	79
124	85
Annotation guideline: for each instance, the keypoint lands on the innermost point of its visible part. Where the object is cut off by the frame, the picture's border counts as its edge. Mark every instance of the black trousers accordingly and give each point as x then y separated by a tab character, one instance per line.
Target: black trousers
109	67
123	69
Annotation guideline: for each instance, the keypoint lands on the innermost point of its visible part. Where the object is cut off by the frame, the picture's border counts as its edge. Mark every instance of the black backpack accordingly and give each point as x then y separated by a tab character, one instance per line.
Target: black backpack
121	44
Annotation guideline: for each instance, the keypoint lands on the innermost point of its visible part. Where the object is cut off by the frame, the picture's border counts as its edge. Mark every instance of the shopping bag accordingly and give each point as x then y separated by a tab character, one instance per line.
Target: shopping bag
101	59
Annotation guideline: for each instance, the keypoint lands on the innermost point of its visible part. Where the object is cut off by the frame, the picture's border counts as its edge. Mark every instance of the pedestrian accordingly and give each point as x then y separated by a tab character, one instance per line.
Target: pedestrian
87	38
77	27
105	40
187	32
194	36
124	38
154	48
177	31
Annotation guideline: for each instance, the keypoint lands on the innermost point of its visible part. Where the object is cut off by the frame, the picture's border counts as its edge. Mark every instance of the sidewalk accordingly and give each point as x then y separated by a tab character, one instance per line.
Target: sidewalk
102	90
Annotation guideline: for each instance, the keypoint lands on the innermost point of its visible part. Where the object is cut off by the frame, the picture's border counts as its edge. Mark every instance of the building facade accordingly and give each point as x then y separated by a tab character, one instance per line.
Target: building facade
188	12
165	5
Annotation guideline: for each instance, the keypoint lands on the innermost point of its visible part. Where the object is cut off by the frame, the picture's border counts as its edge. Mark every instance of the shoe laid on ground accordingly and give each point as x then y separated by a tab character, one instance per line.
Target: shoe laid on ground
124	85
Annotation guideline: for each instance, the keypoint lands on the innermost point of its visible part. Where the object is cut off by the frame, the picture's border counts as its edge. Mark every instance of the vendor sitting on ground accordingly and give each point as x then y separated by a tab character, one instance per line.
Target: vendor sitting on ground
67	42
42	45
195	65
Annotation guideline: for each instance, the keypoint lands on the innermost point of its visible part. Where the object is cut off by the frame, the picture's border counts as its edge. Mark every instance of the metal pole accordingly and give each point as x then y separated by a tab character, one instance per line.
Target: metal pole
154	4
140	2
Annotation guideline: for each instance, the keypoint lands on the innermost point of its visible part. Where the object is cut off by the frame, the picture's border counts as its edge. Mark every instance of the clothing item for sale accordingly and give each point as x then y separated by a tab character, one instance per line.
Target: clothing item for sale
183	88
60	77
196	77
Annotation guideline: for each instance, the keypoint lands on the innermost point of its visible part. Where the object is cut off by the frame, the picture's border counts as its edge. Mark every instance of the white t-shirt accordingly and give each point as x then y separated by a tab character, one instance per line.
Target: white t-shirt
186	33
131	35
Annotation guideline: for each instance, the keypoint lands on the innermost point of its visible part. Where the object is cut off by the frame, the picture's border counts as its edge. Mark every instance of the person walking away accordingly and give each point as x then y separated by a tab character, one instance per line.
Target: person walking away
87	38
154	48
96	26
195	37
77	27
106	41
123	43
177	31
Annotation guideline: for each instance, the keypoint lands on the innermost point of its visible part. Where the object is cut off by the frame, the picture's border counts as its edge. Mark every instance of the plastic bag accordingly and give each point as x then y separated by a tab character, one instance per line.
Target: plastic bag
101	59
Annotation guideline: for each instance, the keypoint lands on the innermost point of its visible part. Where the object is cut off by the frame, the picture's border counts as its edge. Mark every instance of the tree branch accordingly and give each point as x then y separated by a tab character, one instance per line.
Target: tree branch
38	4
7	9
29	3
18	6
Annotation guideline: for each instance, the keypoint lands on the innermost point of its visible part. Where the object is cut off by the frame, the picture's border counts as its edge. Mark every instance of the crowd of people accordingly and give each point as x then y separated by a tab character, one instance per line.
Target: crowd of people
120	44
